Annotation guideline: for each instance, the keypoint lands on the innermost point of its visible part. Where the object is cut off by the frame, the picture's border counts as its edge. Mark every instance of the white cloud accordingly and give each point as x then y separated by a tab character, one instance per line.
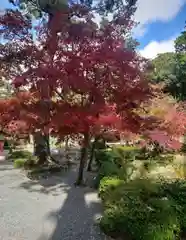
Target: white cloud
139	31
151	10
154	48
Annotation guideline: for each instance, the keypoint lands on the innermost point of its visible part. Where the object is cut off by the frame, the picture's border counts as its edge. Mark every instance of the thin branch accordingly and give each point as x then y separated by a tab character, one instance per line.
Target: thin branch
59	94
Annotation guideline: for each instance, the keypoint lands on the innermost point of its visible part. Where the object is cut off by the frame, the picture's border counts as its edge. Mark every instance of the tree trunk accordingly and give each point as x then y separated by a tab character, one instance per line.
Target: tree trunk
83	159
42	158
47	139
89	167
66	143
67	155
40	148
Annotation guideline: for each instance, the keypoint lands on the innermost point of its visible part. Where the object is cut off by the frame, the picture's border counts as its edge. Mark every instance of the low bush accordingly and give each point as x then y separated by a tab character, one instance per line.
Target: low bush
126	152
183	148
103	155
176	191
107	185
142	209
23	159
30	163
19	163
116	161
100	144
107	169
116	154
20	154
106	165
138	220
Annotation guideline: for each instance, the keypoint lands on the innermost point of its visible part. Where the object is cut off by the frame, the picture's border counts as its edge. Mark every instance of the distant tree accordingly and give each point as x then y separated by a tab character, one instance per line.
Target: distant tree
170	69
178	89
164	68
180	43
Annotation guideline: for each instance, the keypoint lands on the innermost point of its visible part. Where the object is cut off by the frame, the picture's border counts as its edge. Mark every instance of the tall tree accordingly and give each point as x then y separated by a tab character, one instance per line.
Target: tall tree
72	71
170	69
77	68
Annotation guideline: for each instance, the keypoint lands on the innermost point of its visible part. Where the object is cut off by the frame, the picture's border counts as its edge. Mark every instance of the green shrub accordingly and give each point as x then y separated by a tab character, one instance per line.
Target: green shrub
30	163
20	154
26	163
106	169
19	163
116	154
120	161
140	220
124	158
183	148
135	149
105	162
176	191
107	185
125	152
103	155
100	144
116	161
138	209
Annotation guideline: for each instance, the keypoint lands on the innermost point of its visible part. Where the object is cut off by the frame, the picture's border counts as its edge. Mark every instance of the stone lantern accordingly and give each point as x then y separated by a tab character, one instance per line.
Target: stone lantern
50	6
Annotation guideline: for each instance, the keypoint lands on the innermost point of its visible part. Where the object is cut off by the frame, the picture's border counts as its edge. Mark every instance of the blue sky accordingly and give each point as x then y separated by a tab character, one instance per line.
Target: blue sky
4	4
161	21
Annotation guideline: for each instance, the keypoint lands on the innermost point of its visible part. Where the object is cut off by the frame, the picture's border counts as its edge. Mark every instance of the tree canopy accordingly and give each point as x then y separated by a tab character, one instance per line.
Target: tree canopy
170	69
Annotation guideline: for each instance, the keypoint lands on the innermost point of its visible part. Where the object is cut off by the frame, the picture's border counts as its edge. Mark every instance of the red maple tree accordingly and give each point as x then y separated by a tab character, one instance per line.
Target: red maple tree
80	77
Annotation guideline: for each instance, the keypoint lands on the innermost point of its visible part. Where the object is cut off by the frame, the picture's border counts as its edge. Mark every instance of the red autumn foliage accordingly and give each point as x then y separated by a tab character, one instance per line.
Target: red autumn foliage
85	68
170	121
79	77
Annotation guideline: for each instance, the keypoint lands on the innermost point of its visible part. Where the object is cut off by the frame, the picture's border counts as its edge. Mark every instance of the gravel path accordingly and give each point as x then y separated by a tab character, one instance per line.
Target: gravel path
46	210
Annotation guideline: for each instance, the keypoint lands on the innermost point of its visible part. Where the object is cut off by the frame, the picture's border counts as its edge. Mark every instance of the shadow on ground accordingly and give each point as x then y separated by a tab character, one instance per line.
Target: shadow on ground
54	184
77	218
